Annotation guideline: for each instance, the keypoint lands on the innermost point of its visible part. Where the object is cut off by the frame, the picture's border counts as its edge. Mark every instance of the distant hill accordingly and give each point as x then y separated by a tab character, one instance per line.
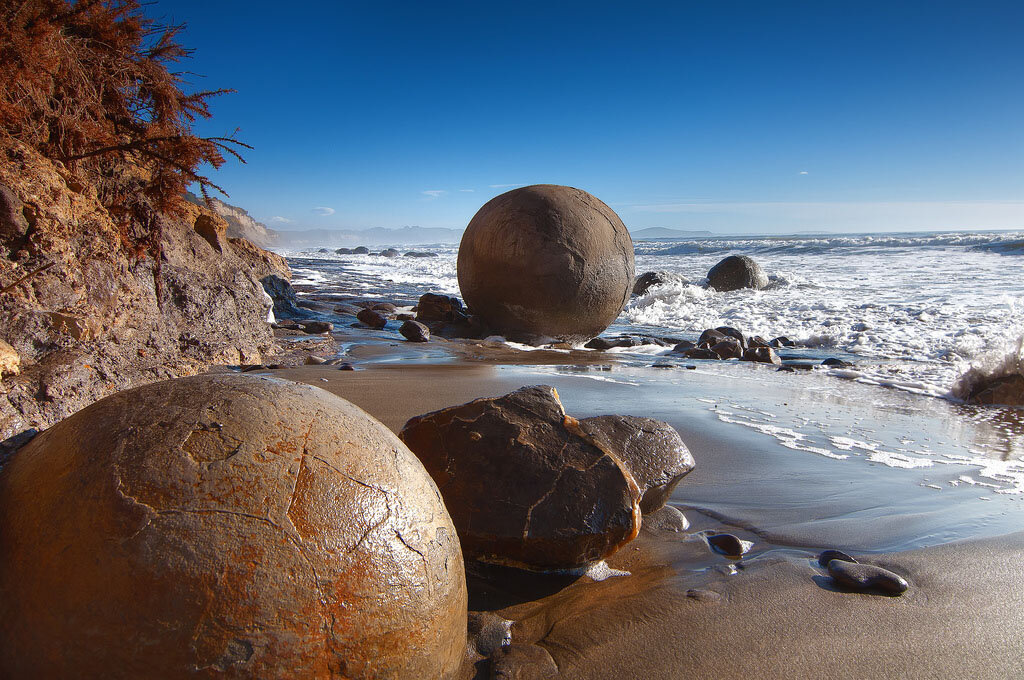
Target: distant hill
663	232
241	224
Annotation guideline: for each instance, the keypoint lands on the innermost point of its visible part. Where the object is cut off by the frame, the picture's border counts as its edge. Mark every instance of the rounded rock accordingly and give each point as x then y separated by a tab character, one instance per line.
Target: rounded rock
736	272
232	526
827	556
546	261
866	578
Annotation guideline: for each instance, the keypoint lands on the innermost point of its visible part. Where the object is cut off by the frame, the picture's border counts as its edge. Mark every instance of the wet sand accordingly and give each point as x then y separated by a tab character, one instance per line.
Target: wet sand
686	611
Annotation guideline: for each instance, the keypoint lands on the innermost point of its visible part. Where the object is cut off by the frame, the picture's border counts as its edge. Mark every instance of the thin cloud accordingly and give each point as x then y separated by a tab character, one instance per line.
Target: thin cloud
281	220
434	193
466	191
803	172
323	210
505	186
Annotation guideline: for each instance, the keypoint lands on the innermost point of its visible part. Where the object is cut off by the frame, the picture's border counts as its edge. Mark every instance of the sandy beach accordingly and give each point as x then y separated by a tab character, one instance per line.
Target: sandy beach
686	611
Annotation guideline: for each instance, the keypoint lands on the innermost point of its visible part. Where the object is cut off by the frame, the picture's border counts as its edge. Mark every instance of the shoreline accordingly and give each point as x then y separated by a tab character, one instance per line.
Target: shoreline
685	610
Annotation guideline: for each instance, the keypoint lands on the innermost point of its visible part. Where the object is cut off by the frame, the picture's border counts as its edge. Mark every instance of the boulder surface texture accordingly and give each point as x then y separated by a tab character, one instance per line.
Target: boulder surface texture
526	487
736	272
650	449
228	527
546	261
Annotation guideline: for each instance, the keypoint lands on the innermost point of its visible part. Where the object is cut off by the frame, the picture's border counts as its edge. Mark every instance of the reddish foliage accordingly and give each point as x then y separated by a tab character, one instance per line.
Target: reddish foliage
88	83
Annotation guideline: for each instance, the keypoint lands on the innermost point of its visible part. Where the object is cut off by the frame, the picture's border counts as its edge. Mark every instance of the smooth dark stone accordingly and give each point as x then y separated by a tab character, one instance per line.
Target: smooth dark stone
361	250
866	578
371	318
828	555
782	341
726	544
316	327
346	367
758	341
414	331
728	348
736	272
682	346
700	353
711	336
733	333
836	363
389	252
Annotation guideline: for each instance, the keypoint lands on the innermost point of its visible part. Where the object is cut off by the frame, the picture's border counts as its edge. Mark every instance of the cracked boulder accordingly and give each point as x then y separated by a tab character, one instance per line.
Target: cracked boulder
226	526
525	486
650	449
546	261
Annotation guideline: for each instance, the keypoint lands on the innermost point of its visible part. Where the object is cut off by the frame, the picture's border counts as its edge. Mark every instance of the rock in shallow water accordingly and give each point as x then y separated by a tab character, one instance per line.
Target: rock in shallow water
414	331
736	272
233	526
728	545
372	318
828	555
524	484
546	261
866	578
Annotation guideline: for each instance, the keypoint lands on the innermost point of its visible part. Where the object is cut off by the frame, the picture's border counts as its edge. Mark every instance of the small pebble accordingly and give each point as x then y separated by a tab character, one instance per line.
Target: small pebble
828	555
346	367
728	545
866	578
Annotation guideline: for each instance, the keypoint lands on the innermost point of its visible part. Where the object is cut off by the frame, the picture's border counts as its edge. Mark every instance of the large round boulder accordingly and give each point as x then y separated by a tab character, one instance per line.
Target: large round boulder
229	527
546	261
736	272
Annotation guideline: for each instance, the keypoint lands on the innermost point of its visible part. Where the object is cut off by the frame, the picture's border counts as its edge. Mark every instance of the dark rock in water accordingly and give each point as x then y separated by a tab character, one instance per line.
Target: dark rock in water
344	251
866	578
322	250
647	280
736	272
390	252
667	518
361	250
220	511
419	253
700	353
650	449
832	362
467	327
405	317
523	662
758	341
662	364
733	333
711	336
1007	390
782	341
828	555
728	348
683	346
414	331
522	480
316	327
383	307
762	355
546	261
488	632
346	367
371	318
727	544
433	308
608	343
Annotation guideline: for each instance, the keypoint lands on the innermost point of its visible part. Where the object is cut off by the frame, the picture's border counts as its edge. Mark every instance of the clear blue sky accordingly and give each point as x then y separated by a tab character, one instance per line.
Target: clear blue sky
728	116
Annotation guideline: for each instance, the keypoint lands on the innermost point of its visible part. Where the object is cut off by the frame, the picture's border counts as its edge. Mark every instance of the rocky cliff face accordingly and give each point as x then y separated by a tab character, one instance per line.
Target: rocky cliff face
86	314
240	222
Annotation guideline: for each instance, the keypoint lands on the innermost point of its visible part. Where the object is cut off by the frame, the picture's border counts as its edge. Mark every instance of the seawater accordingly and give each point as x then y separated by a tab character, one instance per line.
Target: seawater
913	311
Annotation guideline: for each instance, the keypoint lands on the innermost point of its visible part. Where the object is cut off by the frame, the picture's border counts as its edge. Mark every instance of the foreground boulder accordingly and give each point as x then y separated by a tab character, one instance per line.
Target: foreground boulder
226	526
736	272
546	261
650	449
525	486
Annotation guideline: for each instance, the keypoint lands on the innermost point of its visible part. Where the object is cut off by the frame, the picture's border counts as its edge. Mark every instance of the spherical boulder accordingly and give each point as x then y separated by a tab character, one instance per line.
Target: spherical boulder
546	261
736	272
226	526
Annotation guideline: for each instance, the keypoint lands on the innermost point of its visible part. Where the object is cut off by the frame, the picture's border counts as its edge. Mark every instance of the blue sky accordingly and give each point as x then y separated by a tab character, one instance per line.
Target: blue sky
717	115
